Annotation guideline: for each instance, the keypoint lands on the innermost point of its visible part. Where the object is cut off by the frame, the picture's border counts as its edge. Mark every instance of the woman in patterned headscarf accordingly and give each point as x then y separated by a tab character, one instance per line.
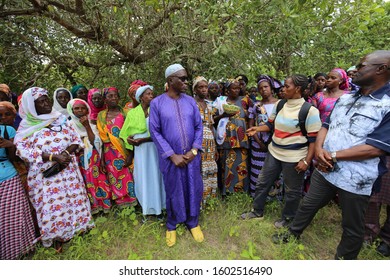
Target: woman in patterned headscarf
131	93
258	115
96	104
209	165
45	140
336	85
233	143
89	158
115	158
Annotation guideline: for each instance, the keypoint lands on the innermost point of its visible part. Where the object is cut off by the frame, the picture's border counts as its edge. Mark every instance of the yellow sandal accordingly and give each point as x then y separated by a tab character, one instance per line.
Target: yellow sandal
197	234
170	238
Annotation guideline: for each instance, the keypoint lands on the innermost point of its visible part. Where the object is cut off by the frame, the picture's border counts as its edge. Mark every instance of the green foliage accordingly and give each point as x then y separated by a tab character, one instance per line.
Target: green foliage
111	43
250	253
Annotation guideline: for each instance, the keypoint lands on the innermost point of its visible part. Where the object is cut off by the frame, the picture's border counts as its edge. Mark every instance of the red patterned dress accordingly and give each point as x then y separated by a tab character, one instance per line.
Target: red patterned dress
98	190
120	178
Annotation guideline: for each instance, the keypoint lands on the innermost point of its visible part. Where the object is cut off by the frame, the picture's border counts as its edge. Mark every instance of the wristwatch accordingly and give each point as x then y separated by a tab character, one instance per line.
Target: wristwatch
194	151
333	155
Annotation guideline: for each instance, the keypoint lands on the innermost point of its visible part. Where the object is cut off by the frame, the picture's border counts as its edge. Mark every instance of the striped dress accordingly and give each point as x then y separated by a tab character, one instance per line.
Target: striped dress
17	233
260	113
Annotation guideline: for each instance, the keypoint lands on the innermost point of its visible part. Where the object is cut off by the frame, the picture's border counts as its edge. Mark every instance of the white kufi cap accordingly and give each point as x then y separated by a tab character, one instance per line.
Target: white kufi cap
172	69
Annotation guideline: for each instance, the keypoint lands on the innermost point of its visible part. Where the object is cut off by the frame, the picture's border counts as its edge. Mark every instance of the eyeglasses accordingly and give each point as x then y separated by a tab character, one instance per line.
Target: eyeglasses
183	78
361	65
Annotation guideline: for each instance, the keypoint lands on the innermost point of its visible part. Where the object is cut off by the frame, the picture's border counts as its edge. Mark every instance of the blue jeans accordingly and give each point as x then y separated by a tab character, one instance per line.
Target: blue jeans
293	182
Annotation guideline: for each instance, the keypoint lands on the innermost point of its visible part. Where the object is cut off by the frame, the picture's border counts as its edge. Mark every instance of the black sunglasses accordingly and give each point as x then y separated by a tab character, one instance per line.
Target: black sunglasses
182	78
361	65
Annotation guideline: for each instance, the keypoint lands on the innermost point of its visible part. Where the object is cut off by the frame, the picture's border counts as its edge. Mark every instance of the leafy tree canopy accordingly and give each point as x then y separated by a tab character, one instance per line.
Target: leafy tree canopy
104	43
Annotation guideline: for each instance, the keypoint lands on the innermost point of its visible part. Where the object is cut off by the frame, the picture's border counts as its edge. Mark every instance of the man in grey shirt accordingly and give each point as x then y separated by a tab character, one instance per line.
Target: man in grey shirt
350	149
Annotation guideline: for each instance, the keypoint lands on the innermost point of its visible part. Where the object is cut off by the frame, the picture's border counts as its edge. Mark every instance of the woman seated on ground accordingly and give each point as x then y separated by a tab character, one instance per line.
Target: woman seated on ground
17	233
149	184
290	151
56	188
115	158
89	158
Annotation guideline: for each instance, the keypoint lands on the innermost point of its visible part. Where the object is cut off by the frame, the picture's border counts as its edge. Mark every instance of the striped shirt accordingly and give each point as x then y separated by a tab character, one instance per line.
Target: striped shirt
288	143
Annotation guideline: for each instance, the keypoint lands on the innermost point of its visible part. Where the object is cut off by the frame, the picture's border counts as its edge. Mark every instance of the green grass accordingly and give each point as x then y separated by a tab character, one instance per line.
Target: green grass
121	235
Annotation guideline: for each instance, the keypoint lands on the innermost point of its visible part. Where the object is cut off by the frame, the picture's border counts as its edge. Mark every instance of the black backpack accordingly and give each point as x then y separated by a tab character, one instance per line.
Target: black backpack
302	115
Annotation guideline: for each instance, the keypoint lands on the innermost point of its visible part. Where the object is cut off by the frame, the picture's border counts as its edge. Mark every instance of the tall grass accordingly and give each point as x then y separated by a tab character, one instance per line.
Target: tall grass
122	235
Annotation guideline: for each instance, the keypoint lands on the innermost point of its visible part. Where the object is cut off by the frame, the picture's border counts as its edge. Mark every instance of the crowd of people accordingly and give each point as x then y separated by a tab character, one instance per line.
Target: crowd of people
70	155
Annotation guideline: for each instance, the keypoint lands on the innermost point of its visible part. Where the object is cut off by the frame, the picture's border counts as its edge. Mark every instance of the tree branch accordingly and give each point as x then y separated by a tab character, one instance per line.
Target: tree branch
23	12
33	80
157	23
62	7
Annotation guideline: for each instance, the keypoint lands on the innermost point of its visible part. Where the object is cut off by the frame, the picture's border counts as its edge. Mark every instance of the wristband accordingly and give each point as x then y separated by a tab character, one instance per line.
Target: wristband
66	151
51	157
304	161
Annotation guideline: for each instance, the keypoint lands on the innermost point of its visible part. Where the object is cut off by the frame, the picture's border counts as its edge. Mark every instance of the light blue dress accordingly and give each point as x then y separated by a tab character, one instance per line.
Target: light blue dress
148	180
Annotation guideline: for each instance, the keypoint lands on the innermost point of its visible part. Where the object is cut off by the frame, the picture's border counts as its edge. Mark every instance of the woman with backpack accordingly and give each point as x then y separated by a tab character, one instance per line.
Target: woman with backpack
295	125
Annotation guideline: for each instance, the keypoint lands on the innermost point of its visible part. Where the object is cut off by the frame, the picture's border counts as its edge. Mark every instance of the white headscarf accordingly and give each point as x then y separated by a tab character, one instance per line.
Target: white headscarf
31	121
172	69
140	91
57	105
80	129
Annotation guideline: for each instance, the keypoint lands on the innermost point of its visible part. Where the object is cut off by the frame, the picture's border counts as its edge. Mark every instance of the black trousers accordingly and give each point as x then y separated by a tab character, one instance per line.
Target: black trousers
353	207
293	182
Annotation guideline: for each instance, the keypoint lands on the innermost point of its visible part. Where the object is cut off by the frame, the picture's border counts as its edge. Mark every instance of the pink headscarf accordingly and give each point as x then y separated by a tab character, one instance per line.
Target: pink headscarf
94	110
107	90
134	86
345	84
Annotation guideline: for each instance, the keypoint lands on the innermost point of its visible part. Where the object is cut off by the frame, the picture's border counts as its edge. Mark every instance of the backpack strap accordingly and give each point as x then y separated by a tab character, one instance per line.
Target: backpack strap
280	106
302	116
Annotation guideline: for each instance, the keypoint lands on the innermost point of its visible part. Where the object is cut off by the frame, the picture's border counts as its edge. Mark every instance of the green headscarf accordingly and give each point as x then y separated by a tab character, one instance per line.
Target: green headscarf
75	89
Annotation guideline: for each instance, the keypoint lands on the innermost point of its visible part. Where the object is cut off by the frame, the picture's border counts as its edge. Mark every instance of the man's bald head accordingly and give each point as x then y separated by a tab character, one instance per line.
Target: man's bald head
373	69
380	56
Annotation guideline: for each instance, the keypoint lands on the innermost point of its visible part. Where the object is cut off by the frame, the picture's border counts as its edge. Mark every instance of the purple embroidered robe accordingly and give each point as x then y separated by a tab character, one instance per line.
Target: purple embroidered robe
176	128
